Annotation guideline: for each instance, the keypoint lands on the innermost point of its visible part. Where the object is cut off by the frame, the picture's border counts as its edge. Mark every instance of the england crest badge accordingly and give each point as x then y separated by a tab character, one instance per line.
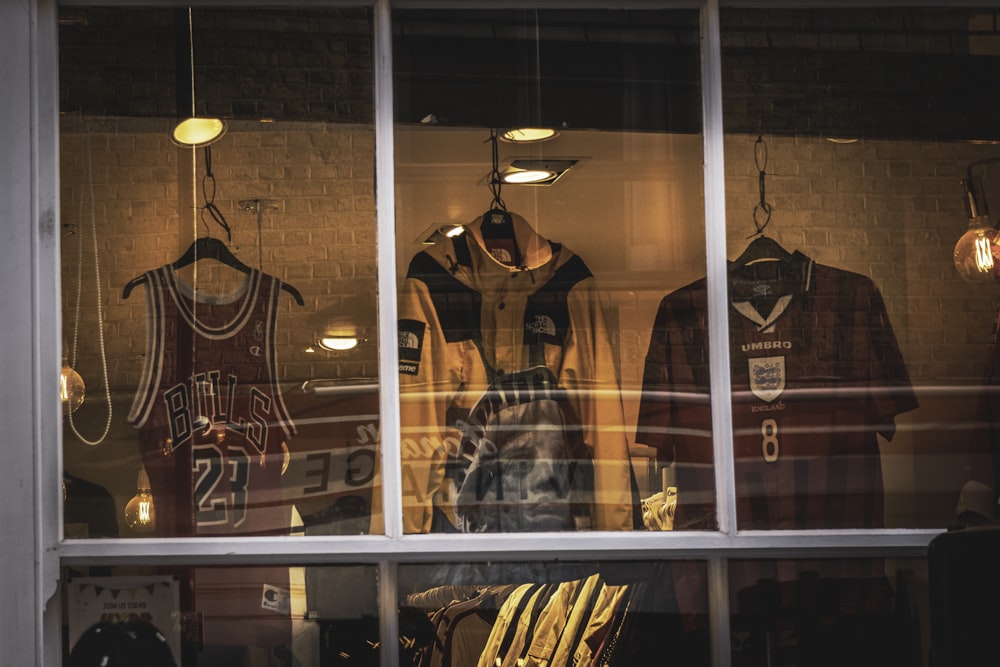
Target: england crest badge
767	377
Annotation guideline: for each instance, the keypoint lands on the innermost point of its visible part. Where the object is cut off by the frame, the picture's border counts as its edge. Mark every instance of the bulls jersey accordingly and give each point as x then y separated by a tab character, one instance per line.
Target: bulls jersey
816	376
210	415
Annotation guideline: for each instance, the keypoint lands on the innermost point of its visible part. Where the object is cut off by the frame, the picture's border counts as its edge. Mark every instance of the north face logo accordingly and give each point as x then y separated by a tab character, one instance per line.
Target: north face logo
541	324
502	255
408	340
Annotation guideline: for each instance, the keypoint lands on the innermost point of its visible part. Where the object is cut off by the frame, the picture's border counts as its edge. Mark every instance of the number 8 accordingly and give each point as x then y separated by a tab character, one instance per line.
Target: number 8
769	448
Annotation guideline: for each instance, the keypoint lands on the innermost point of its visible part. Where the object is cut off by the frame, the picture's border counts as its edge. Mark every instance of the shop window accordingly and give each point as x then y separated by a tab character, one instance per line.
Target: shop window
525	308
220	342
823	612
223	615
853	404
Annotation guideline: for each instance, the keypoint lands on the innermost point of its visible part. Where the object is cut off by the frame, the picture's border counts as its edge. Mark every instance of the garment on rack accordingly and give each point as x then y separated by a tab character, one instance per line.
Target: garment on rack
514	620
463	308
816	374
212	430
462	625
588	622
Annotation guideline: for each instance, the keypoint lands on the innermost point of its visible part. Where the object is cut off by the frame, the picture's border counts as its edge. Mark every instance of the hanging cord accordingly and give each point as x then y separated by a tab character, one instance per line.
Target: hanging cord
260	240
208	188
762	210
494	177
100	316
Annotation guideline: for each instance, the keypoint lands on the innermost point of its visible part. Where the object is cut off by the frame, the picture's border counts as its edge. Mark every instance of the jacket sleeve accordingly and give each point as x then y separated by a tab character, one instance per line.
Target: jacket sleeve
590	375
427	376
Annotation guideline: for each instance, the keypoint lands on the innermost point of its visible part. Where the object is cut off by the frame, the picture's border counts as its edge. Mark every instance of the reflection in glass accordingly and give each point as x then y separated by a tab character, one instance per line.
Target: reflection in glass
232	616
825	612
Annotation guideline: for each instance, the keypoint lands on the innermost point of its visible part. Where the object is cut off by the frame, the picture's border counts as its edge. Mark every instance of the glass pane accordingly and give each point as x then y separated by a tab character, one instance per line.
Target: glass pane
212	294
522	336
829	612
857	348
231	616
558	614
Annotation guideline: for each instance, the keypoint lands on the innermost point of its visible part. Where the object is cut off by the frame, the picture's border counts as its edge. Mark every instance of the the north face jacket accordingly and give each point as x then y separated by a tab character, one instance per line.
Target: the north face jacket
461	306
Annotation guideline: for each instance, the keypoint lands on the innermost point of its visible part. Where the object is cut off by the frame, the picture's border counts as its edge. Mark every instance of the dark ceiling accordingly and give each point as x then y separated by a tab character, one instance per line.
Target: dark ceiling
902	74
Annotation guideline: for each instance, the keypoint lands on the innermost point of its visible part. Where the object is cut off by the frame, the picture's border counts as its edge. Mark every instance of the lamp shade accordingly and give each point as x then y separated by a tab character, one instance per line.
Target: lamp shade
528	135
197	131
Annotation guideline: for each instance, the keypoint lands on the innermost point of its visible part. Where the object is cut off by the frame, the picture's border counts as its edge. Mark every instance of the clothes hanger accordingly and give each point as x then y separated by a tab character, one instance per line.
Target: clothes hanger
210	247
762	248
498	225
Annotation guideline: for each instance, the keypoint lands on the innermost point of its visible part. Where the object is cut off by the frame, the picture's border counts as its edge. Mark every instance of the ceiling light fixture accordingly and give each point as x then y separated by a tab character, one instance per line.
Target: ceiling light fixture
973	256
196	131
338	343
437	231
525	171
528	135
532	128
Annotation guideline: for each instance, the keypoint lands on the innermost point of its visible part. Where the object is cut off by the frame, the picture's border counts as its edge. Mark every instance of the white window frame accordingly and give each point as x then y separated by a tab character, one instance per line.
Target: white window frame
30	507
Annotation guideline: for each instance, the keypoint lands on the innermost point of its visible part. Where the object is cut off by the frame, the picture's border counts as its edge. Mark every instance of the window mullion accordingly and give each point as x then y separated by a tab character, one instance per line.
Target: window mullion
392	494
715	242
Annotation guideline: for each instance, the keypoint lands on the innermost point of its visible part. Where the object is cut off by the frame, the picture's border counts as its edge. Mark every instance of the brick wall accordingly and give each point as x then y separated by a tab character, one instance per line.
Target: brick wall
888	210
317	232
248	64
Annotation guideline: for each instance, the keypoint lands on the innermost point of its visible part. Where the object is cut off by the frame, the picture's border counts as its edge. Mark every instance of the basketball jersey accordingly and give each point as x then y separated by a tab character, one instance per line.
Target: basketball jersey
211	418
816	375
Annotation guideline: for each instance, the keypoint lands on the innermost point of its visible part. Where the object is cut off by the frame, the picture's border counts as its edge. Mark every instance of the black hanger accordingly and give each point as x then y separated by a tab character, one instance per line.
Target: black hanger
761	249
209	247
498	225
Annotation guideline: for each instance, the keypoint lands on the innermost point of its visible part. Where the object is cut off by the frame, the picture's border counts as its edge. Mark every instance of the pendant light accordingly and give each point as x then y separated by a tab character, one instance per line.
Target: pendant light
534	130
974	258
195	131
72	389
140	512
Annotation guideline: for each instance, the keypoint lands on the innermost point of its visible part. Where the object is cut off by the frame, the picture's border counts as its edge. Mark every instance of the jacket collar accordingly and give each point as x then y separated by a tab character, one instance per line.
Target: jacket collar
535	250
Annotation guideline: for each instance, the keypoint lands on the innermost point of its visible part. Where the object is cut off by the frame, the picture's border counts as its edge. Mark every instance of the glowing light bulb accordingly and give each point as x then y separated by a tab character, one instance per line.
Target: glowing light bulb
974	258
140	512
72	389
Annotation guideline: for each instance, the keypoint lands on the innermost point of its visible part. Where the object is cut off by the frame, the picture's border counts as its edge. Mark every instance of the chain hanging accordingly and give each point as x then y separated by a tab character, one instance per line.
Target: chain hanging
208	188
762	210
495	181
100	312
